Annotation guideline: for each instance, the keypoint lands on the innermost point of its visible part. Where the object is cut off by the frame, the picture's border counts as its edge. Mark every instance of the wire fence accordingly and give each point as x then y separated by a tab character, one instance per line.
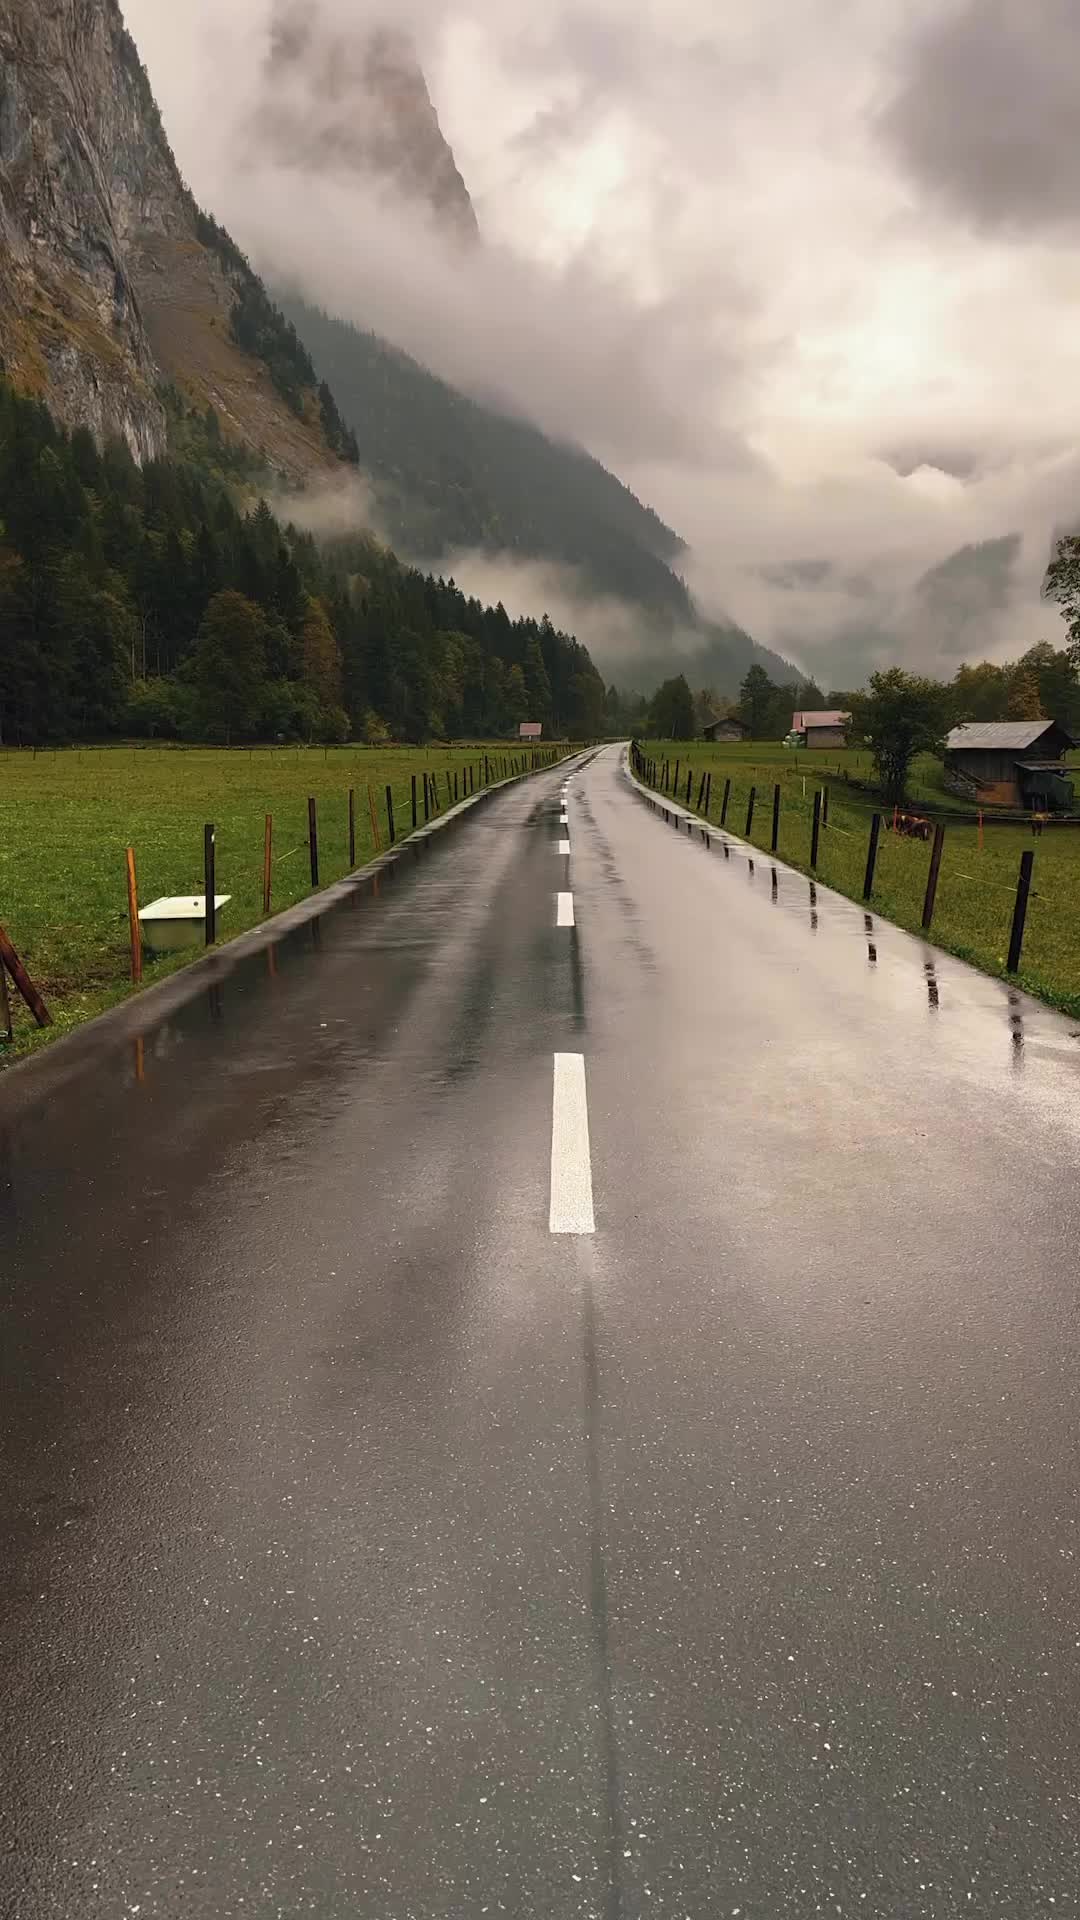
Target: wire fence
882	858
344	829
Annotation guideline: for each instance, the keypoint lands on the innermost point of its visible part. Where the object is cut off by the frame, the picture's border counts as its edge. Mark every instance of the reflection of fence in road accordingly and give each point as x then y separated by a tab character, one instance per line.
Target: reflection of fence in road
907	830
477	775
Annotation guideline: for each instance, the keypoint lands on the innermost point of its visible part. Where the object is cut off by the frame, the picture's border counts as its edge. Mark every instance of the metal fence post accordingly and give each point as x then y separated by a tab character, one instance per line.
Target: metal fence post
210	882
390	813
724	803
815	831
313	839
776	817
1023	890
414	803
871	856
750	811
932	876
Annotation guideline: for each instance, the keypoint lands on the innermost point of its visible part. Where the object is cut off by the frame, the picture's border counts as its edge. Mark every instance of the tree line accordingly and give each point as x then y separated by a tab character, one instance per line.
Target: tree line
899	715
147	601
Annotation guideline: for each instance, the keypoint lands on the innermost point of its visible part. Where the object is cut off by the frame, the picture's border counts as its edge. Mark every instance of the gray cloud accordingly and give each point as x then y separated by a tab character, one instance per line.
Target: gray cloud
722	249
985	111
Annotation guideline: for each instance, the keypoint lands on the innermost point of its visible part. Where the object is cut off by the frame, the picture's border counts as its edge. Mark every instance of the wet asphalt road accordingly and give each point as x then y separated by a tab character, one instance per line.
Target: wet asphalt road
369	1550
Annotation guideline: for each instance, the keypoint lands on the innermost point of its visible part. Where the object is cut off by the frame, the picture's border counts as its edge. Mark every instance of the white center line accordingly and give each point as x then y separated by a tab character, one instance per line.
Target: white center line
565	916
571	1166
563	846
563	821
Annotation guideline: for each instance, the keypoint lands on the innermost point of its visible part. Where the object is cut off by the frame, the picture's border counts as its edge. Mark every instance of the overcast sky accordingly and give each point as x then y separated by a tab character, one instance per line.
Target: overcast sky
806	273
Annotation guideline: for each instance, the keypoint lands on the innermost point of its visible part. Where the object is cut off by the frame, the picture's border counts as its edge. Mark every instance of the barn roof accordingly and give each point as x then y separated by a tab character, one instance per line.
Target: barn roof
830	717
1011	735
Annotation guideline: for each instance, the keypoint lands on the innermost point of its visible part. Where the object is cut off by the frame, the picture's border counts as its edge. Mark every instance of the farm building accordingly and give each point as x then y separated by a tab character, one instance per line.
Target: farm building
1011	763
825	729
728	729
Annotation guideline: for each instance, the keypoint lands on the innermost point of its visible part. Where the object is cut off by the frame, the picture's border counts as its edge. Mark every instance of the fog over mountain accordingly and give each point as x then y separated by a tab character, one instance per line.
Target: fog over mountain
804	278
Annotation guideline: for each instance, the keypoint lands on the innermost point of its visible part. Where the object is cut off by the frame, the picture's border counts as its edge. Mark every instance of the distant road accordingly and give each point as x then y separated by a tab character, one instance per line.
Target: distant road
555	1395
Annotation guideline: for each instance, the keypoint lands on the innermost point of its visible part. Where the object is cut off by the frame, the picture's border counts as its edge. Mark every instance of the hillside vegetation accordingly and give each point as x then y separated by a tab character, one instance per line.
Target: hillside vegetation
451	474
145	600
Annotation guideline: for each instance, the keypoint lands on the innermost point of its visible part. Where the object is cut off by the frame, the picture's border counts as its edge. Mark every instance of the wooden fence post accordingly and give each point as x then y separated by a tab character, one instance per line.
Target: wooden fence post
134	928
871	856
210	882
376	836
313	839
1023	890
10	959
932	876
268	860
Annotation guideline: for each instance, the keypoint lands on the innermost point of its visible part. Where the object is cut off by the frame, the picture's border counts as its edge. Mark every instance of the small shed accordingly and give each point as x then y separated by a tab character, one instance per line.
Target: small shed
825	729
1012	763
530	730
726	729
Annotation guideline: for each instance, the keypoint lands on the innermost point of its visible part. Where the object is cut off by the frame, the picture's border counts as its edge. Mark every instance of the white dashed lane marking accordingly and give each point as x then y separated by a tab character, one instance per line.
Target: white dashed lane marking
565	915
571	1165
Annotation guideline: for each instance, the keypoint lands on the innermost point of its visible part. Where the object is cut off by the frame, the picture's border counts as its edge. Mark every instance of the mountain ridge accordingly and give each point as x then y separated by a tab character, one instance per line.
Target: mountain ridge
452	474
115	282
347	99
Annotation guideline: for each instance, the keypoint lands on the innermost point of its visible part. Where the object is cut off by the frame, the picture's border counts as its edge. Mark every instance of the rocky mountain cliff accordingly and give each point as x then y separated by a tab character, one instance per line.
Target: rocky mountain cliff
111	281
339	98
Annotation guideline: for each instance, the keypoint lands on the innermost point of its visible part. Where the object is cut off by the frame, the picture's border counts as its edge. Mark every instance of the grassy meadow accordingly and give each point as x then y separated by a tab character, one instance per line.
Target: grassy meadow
976	890
66	818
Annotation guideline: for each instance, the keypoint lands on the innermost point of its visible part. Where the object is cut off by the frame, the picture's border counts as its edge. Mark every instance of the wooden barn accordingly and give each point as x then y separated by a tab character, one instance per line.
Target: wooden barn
1012	763
728	729
822	730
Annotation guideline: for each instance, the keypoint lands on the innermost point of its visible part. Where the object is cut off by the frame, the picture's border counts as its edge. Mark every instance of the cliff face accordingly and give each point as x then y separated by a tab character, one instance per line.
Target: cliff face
72	148
349	100
108	283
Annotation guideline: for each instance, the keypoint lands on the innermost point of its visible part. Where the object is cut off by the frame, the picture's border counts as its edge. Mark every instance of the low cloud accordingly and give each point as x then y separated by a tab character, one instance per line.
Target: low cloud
617	634
346	505
796	274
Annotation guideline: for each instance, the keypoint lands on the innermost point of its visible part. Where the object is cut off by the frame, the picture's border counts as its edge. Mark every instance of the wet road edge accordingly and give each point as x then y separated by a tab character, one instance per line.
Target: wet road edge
29	1081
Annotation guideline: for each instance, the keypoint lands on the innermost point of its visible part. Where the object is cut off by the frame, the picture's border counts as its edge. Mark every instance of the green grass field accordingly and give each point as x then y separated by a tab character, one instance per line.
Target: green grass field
976	891
67	817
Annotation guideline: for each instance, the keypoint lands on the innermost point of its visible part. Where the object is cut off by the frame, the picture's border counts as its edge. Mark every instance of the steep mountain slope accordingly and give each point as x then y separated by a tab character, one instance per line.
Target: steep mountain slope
338	97
110	279
451	474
